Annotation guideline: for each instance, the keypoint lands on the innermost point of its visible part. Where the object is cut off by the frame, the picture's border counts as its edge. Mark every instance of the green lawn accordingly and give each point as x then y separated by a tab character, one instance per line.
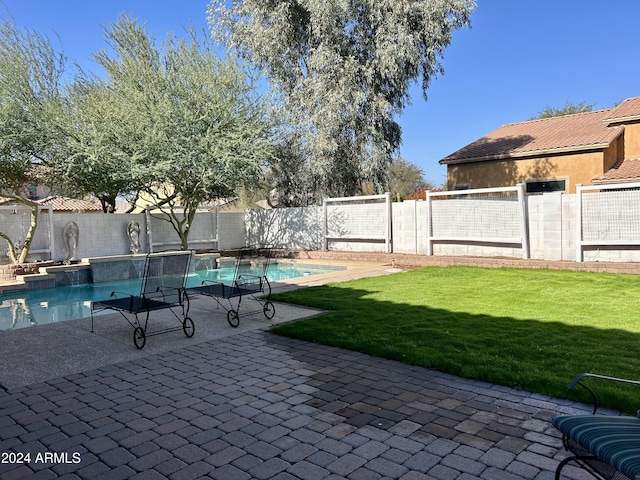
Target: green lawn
528	329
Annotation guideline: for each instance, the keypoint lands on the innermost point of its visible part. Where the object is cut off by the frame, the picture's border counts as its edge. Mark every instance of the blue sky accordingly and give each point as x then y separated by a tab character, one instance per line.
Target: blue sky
518	57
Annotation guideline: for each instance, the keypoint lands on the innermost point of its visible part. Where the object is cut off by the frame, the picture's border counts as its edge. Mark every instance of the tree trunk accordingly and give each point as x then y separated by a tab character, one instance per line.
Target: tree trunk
21	257
11	248
30	234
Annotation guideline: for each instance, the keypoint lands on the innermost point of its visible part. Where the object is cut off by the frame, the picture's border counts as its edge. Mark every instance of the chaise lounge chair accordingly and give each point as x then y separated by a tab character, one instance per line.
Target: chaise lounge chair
249	280
163	288
607	446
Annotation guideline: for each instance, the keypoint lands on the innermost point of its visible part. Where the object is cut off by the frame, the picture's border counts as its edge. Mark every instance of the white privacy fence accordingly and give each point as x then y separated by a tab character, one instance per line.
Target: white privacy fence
607	217
15	222
203	233
365	219
483	223
106	234
484	216
596	224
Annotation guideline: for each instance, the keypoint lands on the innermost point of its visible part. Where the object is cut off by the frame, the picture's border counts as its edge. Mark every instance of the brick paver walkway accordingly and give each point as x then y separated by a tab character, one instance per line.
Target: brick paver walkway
256	405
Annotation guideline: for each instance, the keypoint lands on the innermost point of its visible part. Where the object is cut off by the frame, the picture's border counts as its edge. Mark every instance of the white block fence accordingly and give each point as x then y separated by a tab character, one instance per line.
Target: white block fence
596	224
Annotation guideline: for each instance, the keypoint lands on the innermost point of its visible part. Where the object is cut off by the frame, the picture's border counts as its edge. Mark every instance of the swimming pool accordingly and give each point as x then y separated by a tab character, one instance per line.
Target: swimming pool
29	308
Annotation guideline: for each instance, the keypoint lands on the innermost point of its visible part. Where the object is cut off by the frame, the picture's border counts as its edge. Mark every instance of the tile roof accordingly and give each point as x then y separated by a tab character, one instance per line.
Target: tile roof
69	204
568	133
626	111
627	170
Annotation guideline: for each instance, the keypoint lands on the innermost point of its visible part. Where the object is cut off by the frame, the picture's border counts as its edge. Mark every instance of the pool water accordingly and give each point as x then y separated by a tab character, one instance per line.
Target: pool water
37	307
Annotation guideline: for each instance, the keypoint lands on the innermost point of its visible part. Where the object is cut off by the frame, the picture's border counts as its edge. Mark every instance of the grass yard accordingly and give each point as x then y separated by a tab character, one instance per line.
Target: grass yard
529	329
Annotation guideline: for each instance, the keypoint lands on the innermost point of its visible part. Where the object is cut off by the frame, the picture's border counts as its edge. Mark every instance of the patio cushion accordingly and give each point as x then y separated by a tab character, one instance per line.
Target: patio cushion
614	440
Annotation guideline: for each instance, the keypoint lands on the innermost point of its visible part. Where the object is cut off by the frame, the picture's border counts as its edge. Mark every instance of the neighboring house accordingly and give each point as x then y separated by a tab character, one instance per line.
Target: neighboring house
41	194
61	204
553	154
69	205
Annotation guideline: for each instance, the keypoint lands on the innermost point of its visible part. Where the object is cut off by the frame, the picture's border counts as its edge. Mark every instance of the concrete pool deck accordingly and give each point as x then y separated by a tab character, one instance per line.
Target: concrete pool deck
245	403
36	354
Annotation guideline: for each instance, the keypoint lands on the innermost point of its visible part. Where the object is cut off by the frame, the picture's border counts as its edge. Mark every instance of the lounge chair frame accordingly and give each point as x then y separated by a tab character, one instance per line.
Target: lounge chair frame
163	288
245	283
588	460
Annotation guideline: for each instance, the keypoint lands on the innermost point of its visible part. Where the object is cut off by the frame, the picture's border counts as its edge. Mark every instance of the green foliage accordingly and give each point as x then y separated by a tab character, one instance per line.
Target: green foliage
568	109
404	179
97	161
30	72
342	70
173	121
527	329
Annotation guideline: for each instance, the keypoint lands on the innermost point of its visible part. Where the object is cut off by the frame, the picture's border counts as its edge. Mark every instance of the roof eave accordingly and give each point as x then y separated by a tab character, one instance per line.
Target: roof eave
536	153
613	181
629	118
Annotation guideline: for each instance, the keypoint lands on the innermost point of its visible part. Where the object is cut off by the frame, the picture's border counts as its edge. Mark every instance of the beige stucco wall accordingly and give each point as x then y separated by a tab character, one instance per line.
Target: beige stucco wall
574	168
632	140
615	152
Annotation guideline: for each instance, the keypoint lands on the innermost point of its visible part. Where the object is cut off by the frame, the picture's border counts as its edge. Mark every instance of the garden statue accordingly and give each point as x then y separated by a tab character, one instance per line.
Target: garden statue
70	233
133	231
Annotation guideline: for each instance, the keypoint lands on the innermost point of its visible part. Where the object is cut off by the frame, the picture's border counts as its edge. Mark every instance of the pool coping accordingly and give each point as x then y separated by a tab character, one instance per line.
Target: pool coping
50	273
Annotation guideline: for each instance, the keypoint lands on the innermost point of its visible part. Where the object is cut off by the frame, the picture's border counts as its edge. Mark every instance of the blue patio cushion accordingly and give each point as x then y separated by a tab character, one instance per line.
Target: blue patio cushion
614	440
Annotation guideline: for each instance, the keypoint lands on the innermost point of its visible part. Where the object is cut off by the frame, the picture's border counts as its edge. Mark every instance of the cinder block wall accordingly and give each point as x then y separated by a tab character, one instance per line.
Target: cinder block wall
99	234
300	228
232	230
551	228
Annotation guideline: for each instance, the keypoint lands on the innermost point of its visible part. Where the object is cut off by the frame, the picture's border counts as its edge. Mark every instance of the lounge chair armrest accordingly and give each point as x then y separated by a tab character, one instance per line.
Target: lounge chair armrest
577	380
164	292
246	279
206	283
162	289
116	294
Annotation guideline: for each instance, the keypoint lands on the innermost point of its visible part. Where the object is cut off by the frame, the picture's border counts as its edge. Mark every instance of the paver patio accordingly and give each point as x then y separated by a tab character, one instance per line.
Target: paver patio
251	404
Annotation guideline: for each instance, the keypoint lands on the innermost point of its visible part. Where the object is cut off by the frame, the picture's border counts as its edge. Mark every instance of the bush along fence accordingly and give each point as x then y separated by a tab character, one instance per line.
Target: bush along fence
597	224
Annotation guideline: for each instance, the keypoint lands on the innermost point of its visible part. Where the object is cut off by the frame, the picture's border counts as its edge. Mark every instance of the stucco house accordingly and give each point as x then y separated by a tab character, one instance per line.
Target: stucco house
553	154
60	204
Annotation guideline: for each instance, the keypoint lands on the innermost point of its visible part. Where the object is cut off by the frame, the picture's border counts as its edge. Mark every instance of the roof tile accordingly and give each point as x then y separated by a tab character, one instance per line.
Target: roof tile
625	111
69	204
580	131
624	170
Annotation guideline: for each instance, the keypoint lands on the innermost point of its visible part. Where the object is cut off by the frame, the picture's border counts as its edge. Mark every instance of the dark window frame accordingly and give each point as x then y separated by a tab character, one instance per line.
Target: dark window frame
545	186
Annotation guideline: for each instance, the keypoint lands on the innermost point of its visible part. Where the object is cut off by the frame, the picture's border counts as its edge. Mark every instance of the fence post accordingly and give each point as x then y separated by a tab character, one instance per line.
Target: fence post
325	242
217	231
52	241
147	217
415	225
525	222
429	242
579	257
389	235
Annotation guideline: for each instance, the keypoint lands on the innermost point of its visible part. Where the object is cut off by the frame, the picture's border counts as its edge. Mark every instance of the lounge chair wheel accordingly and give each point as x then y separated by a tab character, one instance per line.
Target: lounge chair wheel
188	327
269	310
139	338
233	318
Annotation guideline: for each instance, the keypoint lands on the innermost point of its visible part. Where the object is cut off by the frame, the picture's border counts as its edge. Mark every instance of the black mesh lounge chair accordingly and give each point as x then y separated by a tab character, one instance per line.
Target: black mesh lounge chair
163	287
249	280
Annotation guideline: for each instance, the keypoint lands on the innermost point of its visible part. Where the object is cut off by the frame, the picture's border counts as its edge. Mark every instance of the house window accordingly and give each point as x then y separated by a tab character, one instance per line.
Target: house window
32	192
544	186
